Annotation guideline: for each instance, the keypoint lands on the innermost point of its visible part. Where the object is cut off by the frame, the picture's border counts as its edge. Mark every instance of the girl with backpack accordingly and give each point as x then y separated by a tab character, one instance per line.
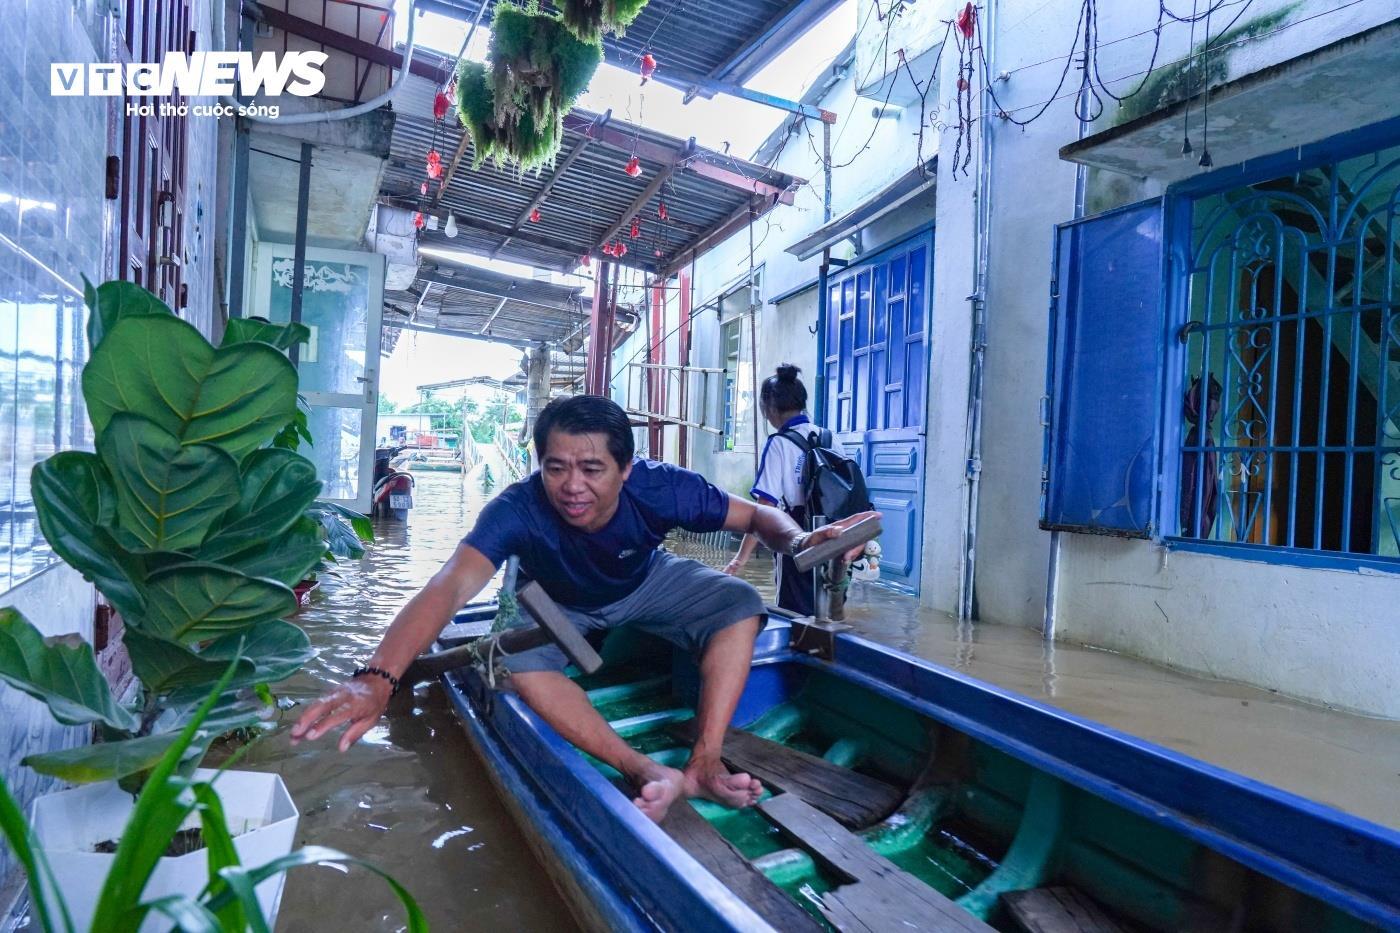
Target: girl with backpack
782	477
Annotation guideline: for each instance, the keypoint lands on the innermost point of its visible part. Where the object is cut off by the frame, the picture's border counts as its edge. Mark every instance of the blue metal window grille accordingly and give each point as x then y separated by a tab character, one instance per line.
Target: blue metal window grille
1290	400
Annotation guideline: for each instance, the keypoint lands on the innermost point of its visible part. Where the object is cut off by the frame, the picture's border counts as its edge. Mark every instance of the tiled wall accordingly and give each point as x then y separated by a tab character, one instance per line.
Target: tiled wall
52	156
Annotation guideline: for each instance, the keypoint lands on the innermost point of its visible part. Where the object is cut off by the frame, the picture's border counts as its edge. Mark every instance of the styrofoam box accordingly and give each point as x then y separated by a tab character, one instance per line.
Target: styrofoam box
69	824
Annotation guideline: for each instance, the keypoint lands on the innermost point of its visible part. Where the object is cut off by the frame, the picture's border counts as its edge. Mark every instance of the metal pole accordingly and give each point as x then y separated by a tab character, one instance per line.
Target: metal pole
238	199
826	172
982	221
299	250
597	354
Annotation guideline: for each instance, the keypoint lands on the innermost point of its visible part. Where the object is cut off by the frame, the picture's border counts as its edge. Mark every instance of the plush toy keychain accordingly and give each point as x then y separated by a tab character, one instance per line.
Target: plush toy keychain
866	568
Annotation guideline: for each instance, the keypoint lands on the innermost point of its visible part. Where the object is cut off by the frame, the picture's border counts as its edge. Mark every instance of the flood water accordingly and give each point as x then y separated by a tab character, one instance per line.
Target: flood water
413	798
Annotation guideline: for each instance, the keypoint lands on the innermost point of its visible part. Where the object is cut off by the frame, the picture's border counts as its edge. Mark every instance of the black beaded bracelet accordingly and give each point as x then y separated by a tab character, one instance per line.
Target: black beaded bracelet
379	672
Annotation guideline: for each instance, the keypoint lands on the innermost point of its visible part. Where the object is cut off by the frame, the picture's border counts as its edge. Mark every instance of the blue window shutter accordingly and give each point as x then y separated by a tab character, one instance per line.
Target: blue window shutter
1106	326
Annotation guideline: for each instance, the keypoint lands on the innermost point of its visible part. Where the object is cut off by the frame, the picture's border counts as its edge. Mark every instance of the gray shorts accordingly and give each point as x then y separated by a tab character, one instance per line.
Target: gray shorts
681	600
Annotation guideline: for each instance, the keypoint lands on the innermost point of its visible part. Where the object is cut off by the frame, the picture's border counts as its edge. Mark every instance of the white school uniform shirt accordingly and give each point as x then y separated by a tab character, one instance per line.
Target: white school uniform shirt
780	468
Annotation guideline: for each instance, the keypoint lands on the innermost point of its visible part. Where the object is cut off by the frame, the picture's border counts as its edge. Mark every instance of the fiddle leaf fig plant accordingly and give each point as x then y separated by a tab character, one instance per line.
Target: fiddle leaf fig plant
187	520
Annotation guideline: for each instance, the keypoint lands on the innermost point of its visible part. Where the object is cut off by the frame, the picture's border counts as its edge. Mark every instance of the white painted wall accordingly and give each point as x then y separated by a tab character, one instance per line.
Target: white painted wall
1314	634
1309	633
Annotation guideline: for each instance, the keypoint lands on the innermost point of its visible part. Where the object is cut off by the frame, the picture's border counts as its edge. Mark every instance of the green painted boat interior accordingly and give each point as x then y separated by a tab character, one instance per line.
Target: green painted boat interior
975	822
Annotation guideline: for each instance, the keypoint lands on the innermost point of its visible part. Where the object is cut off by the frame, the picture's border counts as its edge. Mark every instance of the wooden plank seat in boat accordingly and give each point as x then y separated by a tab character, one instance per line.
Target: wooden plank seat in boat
882	896
852	799
1057	910
709	848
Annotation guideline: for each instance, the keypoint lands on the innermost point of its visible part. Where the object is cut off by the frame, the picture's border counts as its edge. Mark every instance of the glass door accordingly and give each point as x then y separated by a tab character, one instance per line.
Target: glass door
342	301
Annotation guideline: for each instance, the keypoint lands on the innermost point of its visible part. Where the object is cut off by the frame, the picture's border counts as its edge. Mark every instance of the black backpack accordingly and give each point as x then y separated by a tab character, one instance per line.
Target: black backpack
831	482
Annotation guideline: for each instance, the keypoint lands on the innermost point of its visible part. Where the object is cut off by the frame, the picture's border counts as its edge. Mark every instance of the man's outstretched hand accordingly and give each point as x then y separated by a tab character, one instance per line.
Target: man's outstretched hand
359	702
834	529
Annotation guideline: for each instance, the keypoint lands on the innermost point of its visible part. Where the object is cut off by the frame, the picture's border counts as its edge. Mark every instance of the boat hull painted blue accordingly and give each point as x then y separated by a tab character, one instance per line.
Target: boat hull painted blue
634	877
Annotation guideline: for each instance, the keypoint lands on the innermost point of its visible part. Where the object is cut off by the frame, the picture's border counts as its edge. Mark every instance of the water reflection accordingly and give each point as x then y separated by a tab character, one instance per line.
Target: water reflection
1349	762
412	796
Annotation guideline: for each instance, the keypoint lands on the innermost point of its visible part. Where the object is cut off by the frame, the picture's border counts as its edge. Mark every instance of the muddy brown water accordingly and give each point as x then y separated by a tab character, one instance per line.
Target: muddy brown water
414	799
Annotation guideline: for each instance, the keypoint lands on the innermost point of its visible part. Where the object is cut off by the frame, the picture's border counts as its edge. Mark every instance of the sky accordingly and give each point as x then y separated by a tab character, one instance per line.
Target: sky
421	358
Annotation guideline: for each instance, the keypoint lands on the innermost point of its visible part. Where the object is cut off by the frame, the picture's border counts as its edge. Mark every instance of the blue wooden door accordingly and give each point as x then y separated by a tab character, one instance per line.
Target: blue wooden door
873	379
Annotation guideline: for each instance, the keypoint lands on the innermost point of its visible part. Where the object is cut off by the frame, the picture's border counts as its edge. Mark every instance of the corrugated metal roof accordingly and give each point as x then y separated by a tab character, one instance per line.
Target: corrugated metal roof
693	39
587	198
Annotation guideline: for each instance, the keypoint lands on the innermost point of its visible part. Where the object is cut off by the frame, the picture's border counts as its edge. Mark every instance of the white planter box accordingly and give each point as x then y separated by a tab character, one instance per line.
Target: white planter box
70	823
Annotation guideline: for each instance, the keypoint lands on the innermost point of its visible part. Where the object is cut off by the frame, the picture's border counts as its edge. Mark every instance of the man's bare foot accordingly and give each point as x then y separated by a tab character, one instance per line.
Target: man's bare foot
660	787
708	778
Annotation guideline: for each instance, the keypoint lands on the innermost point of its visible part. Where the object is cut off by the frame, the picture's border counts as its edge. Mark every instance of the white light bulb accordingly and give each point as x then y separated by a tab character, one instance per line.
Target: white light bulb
450	230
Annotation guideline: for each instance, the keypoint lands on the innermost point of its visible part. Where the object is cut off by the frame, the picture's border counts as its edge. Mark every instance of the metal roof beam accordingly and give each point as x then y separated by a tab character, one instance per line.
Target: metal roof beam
704	87
492	319
781	32
547	188
542	242
341	42
716	234
576	122
465	335
502	285
635	208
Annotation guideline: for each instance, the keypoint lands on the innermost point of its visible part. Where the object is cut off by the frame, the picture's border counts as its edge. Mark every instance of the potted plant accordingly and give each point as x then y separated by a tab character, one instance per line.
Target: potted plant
192	526
136	892
515	110
589	19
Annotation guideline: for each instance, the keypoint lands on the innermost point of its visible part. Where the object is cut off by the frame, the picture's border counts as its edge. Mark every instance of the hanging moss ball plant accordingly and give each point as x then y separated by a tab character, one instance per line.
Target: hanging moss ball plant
589	19
514	108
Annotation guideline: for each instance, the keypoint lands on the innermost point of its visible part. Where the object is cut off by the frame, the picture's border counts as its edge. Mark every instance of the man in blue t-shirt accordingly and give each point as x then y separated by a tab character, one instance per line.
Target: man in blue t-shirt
586	526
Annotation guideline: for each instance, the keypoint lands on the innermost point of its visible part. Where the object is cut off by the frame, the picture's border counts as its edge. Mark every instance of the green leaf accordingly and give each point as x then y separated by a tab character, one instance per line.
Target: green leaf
76	504
20	836
112	301
188	915
164	665
162	807
273	651
221	893
277	650
281	336
104	761
235	709
276	488
169	496
235	398
61	672
221	851
344	533
288	559
194	602
359	521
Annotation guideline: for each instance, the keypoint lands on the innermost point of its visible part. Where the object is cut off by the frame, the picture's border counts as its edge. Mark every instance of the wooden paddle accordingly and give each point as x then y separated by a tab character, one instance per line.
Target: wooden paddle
552	626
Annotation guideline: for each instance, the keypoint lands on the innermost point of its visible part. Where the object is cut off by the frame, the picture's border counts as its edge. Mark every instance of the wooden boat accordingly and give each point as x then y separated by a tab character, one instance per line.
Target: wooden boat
910	797
429	459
